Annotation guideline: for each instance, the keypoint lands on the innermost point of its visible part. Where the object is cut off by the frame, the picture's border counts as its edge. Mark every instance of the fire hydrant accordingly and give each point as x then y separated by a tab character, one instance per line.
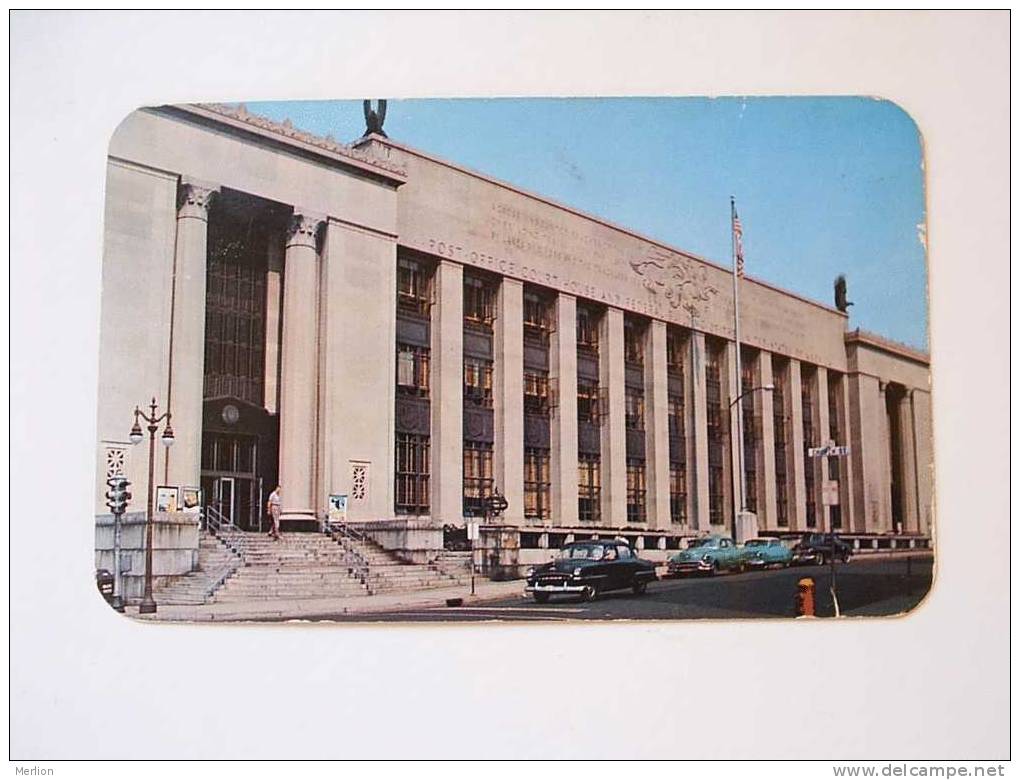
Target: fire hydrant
806	597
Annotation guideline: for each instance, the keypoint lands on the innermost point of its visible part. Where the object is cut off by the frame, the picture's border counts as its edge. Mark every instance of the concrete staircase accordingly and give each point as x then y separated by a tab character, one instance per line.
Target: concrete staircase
217	562
238	566
386	573
297	566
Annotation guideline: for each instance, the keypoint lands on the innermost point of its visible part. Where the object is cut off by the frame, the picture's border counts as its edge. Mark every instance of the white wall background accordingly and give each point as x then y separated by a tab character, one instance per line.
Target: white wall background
87	683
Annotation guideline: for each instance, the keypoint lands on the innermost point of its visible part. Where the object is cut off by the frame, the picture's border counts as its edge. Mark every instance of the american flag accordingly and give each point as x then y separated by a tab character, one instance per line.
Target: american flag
738	244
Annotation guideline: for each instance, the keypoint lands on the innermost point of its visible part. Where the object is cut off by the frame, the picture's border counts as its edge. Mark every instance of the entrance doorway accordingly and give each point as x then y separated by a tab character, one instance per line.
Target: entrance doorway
239	461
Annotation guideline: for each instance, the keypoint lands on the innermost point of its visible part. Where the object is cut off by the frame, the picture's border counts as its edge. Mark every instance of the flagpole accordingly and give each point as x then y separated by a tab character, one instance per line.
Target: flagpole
740	375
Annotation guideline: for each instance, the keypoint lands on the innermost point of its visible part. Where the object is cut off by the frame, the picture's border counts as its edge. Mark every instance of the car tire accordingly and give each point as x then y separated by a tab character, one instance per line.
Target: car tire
639	587
541	598
590	593
714	570
846	557
820	559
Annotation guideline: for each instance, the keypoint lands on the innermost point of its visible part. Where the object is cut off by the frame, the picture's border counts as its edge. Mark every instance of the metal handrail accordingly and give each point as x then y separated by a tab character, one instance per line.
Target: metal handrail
355	562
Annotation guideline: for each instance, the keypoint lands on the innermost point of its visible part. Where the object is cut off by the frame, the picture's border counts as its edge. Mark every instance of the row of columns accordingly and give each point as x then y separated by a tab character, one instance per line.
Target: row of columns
299	353
859	396
447	416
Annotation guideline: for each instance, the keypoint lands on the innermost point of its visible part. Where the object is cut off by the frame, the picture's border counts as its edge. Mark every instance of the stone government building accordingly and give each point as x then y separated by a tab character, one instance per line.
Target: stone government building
372	321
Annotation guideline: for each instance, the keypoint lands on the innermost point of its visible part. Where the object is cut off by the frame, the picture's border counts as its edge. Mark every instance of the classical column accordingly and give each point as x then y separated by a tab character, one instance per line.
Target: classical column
187	351
821	465
797	451
447	395
656	426
614	428
765	403
563	421
921	407
508	400
299	375
908	465
697	440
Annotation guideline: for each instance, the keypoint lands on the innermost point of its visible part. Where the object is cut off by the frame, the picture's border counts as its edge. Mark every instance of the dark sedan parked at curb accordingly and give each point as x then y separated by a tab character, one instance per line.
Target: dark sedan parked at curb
589	568
820	548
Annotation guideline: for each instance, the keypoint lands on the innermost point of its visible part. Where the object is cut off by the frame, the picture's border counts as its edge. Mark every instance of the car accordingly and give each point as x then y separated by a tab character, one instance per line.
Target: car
707	555
820	549
762	553
589	568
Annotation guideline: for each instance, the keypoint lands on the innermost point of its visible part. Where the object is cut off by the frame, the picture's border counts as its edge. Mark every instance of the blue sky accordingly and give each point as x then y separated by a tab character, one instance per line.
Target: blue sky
823	185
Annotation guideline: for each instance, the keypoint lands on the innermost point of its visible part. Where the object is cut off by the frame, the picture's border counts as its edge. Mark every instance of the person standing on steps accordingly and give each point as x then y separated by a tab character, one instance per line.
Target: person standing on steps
274	513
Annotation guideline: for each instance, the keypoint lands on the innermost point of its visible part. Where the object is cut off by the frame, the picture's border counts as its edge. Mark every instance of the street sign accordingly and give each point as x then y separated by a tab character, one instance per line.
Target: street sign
828	450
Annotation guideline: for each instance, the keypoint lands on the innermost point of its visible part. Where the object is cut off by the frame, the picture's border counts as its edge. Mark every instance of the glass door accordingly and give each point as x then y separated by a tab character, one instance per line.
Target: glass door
225	498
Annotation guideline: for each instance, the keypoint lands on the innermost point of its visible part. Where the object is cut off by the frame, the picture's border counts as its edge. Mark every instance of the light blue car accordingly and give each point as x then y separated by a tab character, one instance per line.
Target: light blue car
762	553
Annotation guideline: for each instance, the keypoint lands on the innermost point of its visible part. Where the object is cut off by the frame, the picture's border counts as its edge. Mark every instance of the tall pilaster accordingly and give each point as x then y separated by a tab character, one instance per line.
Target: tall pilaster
697	442
656	426
563	433
508	401
614	429
765	403
187	358
298	391
847	502
798	506
447	391
821	465
908	464
921	406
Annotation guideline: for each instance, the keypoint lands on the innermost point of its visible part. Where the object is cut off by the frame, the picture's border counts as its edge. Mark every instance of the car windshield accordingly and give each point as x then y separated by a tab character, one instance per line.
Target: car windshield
756	543
593	552
699	543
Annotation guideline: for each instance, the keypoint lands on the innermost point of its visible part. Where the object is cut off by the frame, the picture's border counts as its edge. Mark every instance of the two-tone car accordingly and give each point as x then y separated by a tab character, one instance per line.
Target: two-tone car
762	553
820	549
707	555
588	568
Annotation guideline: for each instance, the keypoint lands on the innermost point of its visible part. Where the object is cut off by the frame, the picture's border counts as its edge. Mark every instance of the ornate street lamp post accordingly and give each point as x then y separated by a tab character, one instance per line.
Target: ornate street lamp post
148	605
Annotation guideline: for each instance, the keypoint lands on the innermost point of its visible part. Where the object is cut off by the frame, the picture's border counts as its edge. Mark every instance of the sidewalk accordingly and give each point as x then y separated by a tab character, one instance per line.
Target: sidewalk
297	609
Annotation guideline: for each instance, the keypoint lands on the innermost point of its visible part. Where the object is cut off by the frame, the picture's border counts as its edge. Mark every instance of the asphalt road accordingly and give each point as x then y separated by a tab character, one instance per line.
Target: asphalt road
864	587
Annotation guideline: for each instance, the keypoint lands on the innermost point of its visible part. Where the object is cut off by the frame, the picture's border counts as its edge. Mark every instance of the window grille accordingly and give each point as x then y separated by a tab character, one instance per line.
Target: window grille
779	424
479	301
634	401
536	392
636	493
537	483
412	474
478	382
589	487
414	287
477	477
808	412
413	370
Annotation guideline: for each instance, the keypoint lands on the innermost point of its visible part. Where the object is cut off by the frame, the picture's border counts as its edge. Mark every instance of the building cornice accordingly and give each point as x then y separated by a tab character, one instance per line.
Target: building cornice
889	346
387	141
285	133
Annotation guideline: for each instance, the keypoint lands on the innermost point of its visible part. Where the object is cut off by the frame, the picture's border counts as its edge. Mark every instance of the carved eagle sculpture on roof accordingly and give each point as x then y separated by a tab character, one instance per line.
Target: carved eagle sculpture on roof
839	288
374	118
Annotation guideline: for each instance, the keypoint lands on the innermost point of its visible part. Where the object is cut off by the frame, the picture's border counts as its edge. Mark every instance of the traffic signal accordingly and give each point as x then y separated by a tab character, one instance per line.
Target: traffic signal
117	496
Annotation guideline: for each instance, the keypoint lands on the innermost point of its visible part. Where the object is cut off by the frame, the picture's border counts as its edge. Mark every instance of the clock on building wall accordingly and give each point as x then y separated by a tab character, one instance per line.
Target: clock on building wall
231	414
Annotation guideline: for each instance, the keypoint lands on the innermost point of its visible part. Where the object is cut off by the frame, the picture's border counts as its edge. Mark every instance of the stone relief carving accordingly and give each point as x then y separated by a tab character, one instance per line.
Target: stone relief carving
683	282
